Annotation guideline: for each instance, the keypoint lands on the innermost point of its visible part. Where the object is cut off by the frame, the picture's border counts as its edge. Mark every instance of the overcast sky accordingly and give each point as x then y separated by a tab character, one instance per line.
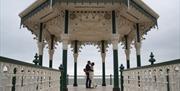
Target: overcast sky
164	42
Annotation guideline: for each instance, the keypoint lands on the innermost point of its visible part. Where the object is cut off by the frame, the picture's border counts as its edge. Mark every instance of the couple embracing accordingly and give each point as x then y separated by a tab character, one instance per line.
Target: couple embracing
89	71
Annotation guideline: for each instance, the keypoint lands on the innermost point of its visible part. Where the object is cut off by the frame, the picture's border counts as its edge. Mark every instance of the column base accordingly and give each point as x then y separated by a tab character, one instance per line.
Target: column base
104	84
40	60
128	64
75	85
65	89
116	89
138	61
50	63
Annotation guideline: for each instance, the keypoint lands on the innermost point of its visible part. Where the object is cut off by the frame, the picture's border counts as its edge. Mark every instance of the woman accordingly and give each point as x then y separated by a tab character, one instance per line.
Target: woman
91	75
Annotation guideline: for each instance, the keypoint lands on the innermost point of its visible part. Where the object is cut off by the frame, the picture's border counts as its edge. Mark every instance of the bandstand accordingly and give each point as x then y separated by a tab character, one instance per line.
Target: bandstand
84	22
89	22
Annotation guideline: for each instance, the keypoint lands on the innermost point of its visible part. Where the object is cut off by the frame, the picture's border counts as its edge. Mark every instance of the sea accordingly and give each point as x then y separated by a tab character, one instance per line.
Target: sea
81	80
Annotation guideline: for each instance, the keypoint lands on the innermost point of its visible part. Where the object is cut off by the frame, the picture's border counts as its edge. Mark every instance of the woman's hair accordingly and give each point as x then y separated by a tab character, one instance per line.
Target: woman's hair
92	63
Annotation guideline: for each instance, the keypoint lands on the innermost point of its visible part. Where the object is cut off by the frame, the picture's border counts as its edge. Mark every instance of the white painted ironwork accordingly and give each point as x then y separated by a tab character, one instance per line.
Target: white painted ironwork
41	47
51	53
28	77
164	77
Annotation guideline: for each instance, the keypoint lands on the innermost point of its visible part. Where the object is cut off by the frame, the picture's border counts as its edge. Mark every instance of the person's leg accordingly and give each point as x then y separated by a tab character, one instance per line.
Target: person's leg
92	82
90	76
89	83
86	81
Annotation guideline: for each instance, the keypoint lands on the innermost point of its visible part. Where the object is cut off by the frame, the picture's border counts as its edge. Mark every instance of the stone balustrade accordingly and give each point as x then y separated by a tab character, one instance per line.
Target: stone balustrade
158	77
20	76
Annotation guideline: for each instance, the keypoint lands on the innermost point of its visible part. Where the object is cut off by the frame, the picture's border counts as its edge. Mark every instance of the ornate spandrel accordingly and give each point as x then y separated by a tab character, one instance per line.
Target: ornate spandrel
97	44
129	41
84	24
56	25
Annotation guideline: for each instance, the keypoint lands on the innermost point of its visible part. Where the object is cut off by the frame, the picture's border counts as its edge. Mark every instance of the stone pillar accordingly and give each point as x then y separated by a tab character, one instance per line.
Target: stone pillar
138	45
127	51
51	51
65	48
40	45
75	62
115	38
103	55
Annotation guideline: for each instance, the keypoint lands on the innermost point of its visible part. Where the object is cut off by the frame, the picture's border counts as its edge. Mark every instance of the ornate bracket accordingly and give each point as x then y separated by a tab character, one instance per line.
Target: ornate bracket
115	40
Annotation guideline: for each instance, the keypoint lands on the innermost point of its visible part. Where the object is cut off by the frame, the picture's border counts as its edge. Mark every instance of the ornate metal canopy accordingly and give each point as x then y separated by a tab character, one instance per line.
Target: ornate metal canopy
89	20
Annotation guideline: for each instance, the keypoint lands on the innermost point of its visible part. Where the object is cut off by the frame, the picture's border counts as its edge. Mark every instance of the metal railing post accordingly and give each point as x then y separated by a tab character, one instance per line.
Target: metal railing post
110	79
67	79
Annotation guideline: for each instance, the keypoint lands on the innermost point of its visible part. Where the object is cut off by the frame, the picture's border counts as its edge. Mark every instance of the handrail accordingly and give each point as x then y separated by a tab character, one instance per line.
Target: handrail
176	61
17	62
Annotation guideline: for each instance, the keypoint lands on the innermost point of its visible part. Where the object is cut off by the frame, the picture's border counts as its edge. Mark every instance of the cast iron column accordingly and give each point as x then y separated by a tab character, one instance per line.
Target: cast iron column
51	51
61	81
75	62
122	78
138	45
65	48
115	39
103	54
40	45
127	51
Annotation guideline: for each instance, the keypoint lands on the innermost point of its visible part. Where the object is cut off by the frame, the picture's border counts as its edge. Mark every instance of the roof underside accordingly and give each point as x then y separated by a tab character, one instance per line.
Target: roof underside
50	12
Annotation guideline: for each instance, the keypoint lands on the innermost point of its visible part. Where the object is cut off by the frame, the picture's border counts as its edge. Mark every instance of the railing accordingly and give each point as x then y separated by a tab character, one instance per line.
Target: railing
20	76
81	79
158	77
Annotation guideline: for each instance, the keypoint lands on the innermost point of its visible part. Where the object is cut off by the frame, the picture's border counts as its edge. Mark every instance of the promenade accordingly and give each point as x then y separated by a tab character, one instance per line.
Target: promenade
82	88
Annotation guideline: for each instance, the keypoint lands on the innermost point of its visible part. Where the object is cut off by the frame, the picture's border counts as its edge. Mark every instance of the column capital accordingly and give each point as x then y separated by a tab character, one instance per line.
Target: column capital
127	52
103	55
75	56
65	39
138	47
51	53
115	40
41	47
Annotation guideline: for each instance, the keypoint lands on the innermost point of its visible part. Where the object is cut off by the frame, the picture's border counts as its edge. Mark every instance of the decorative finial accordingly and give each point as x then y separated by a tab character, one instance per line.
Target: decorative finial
152	60
121	67
36	60
61	67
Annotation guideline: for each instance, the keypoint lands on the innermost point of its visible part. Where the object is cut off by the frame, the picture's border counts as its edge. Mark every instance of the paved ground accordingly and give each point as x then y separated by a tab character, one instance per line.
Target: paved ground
82	88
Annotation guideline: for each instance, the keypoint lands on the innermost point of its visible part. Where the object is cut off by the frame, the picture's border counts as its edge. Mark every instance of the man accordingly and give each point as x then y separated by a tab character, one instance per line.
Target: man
87	70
